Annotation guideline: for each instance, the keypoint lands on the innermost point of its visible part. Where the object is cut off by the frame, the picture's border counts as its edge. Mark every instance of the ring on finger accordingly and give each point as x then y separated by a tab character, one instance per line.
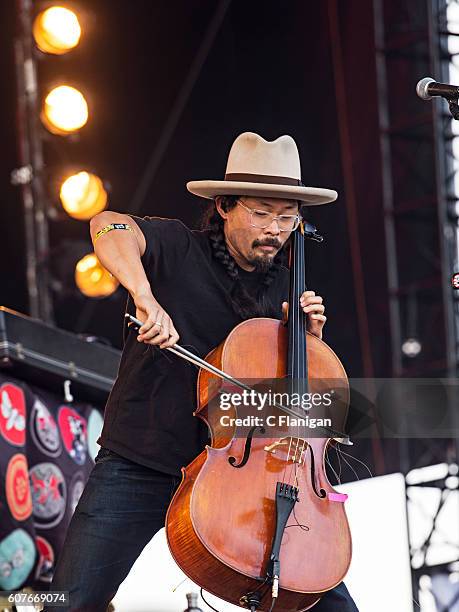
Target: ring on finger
158	323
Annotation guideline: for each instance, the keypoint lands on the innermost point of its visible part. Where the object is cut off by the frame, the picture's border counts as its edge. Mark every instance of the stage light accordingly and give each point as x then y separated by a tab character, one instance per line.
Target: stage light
56	30
411	347
83	195
65	110
92	279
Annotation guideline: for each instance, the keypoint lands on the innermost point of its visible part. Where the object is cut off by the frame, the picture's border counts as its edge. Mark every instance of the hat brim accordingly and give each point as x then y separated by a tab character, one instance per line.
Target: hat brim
311	196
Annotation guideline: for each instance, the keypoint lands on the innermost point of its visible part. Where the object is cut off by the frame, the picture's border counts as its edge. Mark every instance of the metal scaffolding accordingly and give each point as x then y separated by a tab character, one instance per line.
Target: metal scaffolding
420	231
29	176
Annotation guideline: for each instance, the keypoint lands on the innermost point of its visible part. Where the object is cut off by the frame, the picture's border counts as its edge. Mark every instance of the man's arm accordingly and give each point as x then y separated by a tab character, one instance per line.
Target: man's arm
119	251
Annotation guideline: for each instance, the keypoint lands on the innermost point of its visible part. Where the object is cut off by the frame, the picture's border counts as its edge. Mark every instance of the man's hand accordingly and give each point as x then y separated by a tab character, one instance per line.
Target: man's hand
313	307
157	328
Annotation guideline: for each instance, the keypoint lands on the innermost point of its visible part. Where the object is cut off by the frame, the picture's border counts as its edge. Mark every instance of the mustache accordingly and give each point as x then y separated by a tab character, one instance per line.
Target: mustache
268	242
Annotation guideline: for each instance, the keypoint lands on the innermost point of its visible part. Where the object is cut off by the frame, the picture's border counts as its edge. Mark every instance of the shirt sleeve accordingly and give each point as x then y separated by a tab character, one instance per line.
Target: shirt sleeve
168	242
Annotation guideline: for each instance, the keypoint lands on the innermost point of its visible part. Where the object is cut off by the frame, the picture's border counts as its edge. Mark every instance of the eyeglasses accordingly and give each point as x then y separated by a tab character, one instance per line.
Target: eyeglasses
262	219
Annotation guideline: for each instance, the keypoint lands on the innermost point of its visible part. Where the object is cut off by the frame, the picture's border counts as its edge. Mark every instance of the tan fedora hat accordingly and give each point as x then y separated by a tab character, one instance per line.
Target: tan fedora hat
260	168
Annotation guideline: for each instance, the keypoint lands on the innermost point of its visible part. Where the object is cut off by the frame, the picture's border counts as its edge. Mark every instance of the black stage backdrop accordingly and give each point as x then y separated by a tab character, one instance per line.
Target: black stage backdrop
269	70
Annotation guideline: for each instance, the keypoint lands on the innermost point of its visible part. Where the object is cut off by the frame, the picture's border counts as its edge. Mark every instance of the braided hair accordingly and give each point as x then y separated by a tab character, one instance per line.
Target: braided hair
244	304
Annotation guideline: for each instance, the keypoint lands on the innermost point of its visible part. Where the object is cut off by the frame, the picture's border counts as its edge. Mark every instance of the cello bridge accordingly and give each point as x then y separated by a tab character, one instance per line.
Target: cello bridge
295	448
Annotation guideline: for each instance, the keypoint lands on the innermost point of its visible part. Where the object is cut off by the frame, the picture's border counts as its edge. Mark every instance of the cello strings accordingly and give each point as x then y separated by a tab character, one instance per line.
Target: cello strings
291	472
350	466
295	366
297	323
303	319
338	457
297	272
299	289
296	465
287	460
302	357
341	452
293	322
327	460
297	470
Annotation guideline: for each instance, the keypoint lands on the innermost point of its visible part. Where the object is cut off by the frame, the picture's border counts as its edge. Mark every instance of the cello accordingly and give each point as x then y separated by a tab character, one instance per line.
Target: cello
255	520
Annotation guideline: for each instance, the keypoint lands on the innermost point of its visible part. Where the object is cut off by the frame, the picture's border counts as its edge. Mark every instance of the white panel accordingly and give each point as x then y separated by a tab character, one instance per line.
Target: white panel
379	578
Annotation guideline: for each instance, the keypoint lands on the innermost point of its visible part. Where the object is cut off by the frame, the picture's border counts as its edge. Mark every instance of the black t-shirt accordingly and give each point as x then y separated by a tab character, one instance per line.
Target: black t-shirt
149	414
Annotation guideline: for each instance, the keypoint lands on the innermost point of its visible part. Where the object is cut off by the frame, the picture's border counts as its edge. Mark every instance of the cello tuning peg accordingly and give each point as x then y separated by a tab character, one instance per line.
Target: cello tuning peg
310	231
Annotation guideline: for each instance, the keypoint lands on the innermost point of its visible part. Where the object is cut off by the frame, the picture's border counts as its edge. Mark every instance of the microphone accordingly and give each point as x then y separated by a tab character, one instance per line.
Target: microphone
427	88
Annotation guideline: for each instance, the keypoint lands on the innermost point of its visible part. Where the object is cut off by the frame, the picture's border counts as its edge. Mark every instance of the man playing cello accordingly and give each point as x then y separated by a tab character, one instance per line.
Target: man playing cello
195	286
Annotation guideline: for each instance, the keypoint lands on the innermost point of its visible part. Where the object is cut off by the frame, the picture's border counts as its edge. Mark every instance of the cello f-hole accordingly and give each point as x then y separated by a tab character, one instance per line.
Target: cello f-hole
248	445
321	493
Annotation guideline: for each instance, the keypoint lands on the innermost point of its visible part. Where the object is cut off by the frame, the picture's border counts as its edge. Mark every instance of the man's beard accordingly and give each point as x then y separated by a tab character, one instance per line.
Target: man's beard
263	263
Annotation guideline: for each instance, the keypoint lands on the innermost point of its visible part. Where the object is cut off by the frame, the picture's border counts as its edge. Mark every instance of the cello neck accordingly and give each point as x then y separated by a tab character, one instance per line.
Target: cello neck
297	354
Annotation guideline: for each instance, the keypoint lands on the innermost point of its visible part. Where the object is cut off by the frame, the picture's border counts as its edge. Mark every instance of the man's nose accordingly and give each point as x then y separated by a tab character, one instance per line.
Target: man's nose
273	228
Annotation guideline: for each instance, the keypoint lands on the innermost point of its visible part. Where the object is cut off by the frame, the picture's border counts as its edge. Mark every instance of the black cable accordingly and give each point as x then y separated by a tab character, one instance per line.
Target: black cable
207	603
260	586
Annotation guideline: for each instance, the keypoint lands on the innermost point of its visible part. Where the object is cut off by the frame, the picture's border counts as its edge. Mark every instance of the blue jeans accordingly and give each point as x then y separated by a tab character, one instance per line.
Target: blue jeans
122	507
